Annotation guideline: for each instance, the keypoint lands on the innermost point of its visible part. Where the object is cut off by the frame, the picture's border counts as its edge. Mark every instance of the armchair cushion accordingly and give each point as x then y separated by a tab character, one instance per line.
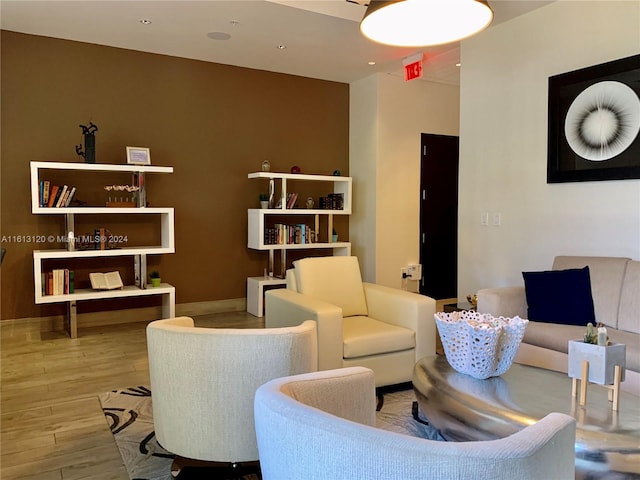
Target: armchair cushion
335	280
560	296
363	336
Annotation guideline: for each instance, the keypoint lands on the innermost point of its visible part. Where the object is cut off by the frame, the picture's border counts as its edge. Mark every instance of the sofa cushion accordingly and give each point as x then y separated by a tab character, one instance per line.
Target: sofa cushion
556	337
335	280
606	275
559	296
363	336
629	313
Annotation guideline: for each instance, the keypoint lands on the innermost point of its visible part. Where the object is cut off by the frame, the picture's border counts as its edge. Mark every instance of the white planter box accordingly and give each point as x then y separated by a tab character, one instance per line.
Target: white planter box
602	361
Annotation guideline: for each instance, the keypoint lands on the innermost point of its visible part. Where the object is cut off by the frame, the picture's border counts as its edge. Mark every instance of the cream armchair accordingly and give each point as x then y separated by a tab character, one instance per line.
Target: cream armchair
321	426
203	381
359	323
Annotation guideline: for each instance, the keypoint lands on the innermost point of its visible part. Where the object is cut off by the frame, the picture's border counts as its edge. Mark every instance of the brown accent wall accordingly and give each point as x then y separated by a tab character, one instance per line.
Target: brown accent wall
213	123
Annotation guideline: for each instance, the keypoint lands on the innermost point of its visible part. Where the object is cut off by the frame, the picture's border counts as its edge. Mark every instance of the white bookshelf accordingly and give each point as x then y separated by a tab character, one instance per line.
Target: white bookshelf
137	254
258	220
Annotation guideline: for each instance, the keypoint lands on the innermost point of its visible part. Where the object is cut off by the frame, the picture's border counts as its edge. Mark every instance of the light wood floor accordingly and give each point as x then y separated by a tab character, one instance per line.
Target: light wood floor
51	423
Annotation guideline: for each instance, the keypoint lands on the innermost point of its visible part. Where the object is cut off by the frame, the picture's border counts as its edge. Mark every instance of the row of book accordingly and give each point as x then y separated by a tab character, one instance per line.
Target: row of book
58	282
333	201
281	234
55	196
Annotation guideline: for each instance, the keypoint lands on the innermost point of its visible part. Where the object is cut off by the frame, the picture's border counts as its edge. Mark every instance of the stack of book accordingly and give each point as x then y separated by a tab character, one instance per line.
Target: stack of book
58	282
55	196
281	234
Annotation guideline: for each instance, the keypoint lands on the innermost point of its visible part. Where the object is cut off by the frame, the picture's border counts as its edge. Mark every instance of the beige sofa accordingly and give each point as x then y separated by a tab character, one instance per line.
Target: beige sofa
615	286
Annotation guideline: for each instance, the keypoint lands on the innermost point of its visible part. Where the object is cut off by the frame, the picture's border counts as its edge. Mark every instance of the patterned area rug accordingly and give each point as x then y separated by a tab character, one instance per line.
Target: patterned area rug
130	417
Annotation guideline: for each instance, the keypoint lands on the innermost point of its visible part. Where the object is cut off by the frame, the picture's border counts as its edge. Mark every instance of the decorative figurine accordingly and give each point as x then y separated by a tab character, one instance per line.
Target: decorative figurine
89	153
336	173
266	166
295	169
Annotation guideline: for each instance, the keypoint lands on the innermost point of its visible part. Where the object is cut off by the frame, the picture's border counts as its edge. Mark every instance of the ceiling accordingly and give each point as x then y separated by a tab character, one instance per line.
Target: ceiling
321	38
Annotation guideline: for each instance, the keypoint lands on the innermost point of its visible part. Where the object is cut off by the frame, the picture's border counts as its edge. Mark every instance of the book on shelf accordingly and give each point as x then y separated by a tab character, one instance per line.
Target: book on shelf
291	200
59	281
62	193
69	199
55	196
44	192
105	281
52	195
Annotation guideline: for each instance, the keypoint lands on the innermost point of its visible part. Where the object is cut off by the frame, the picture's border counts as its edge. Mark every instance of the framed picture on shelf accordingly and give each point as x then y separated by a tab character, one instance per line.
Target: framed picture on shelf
138	155
593	123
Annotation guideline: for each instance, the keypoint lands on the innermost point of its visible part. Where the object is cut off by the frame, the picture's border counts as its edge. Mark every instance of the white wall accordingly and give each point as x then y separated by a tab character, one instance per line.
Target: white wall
363	127
385	162
503	146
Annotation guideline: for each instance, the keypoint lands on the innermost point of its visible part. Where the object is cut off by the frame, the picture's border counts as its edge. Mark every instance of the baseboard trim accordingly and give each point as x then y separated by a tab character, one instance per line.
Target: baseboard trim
128	315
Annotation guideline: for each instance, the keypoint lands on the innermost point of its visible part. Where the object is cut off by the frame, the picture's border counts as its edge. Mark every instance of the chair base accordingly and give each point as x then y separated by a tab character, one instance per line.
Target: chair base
187	468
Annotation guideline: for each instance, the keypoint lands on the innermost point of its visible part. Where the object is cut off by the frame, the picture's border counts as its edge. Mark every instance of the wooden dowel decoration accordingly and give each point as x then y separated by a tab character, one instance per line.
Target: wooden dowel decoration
613	394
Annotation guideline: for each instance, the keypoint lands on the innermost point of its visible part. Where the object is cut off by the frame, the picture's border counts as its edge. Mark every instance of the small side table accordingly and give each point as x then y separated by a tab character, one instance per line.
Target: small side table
458	307
255	292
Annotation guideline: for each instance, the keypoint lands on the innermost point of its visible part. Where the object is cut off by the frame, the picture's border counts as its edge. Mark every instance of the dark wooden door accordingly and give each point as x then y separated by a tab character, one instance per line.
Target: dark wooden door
439	215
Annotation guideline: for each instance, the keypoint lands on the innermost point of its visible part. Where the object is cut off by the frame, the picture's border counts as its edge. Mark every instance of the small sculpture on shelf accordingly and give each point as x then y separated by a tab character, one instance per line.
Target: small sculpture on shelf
473	301
310	202
128	202
89	153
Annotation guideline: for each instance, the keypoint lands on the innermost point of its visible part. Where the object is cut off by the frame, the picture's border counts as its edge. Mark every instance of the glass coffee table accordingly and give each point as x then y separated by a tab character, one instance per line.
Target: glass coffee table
463	408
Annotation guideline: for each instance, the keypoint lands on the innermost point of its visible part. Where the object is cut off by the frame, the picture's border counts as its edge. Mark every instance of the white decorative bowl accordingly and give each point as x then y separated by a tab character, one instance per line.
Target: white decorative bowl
479	344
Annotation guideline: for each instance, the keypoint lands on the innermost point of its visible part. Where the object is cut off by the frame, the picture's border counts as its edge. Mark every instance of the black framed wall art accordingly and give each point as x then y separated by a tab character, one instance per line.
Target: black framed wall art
594	121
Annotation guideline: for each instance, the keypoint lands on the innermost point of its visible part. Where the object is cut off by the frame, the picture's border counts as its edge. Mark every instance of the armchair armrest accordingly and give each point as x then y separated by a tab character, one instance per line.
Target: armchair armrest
404	309
503	301
285	308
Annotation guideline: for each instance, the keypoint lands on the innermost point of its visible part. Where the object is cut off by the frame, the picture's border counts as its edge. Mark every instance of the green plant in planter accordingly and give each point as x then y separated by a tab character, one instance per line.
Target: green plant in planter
264	200
155	278
592	334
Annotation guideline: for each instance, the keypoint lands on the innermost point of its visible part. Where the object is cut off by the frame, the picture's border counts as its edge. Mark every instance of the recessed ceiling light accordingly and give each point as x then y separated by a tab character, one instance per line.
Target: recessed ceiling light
145	21
235	23
281	47
458	64
372	63
218	36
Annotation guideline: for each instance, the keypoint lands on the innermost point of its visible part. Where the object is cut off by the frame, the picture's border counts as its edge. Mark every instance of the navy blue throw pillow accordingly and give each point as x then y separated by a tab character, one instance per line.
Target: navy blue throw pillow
560	296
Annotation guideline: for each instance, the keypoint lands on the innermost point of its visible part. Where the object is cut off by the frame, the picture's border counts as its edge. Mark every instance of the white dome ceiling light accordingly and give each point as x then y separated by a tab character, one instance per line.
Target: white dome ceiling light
415	23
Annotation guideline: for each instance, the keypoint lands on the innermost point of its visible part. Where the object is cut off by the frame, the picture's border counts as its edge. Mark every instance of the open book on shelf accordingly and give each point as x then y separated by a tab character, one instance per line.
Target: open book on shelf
105	281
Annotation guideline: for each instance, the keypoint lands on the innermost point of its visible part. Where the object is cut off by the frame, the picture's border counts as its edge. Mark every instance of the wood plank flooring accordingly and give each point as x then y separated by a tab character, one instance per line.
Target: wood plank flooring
51	422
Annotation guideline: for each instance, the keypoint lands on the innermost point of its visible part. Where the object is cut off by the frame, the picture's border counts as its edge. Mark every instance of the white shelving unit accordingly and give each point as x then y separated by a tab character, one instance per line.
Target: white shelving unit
138	254
257	220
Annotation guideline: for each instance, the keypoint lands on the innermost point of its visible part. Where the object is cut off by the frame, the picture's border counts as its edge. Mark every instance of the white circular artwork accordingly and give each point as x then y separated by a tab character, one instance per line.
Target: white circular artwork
603	121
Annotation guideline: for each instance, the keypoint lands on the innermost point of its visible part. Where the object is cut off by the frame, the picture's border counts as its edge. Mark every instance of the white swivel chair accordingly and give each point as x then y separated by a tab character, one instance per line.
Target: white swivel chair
320	426
359	324
203	381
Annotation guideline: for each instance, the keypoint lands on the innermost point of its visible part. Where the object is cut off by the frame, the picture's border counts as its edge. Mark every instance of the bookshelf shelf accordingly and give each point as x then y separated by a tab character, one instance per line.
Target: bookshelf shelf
260	219
137	254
